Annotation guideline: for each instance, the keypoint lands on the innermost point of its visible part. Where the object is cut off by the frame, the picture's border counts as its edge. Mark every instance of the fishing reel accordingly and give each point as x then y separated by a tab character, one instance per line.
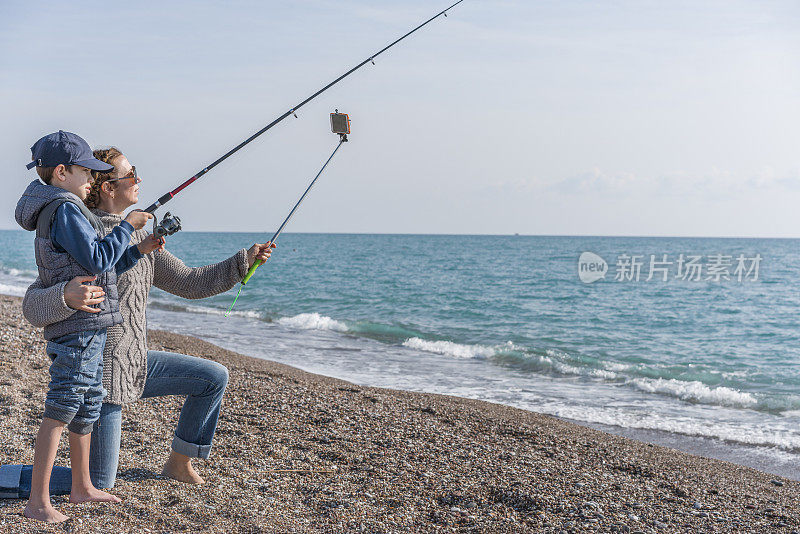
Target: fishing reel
170	224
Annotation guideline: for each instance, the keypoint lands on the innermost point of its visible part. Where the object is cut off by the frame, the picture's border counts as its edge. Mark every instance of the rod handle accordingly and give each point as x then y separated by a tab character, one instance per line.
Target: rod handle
160	202
251	271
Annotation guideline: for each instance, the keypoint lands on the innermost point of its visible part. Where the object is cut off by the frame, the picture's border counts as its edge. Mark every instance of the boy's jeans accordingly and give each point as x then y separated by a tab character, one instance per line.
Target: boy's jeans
75	392
202	381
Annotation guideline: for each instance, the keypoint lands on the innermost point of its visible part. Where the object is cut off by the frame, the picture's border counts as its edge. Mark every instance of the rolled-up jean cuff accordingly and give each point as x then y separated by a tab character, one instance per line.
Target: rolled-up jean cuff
190	449
80	427
59	414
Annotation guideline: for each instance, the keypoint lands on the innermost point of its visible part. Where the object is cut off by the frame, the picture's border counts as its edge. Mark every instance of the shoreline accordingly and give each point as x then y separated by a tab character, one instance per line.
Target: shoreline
773	460
295	451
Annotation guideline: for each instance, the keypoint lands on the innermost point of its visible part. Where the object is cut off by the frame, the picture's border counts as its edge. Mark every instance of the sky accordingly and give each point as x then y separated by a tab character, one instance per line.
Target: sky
533	117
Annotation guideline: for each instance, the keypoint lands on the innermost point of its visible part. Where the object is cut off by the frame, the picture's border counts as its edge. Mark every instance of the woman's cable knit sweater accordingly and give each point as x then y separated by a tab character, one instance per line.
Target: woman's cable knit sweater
125	355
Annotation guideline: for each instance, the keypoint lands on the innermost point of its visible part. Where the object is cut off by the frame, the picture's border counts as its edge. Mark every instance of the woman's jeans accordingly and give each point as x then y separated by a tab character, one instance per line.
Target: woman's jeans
202	381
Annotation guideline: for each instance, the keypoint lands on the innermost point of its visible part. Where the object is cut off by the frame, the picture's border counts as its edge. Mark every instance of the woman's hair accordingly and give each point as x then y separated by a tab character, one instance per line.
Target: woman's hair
106	155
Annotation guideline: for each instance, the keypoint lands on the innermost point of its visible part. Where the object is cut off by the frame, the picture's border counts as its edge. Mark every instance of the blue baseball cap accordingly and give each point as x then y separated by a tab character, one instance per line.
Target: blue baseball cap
65	148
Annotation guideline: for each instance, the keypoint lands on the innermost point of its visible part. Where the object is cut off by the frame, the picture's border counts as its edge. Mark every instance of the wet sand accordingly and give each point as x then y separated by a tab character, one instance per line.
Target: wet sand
298	452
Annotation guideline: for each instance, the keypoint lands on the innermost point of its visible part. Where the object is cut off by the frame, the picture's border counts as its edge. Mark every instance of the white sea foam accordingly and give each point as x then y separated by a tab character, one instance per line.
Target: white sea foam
696	391
25	273
216	311
190	308
448	348
744	433
602	373
14	291
313	321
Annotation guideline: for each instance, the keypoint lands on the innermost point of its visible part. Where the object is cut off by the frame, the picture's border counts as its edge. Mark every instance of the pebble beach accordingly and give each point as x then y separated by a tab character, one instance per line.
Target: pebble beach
299	452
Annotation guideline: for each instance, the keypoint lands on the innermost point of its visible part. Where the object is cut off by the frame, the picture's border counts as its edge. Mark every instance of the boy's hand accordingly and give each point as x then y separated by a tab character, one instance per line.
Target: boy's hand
138	219
150	243
259	252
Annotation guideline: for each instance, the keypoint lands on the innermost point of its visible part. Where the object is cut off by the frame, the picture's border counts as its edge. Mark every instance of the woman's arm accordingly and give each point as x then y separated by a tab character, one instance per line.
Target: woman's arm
43	306
173	276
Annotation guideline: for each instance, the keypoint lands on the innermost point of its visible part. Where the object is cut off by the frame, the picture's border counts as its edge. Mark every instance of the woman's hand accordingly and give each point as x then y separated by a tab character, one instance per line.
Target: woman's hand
81	297
260	252
150	243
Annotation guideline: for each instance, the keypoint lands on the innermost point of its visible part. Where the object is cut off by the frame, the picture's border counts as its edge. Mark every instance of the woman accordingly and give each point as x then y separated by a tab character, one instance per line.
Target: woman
130	370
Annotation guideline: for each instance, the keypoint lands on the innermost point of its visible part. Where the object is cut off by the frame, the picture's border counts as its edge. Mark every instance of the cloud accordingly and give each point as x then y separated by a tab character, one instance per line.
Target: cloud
595	180
713	183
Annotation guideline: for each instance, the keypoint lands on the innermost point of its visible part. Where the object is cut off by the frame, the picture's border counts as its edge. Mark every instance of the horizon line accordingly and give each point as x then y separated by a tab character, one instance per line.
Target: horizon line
432	234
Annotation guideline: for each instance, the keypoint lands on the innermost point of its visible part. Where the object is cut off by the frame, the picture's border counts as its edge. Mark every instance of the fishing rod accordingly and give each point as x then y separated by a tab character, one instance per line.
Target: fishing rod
293	111
340	124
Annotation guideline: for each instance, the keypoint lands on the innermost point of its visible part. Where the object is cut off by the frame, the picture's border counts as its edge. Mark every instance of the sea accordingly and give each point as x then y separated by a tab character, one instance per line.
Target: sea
692	343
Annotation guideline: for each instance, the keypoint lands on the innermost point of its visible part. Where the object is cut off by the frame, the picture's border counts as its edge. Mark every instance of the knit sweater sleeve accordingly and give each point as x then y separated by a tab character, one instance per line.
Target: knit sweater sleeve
43	305
173	276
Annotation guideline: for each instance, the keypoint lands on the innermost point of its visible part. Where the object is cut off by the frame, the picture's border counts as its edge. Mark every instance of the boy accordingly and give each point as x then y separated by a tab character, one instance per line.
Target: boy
69	243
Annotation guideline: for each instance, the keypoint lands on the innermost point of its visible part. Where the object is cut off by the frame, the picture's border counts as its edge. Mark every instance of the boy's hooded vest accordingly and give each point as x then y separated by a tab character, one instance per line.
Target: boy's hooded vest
35	211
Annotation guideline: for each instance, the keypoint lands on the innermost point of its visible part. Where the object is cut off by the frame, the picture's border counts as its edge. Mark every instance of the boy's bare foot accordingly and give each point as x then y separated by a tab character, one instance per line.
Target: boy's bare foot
179	467
91	495
45	513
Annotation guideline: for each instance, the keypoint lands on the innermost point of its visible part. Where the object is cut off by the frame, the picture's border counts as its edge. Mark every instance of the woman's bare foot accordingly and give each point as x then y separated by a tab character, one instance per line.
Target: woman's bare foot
91	494
179	467
45	513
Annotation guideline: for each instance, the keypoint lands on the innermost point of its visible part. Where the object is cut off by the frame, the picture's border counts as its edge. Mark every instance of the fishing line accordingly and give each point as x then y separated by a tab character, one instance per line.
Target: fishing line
340	124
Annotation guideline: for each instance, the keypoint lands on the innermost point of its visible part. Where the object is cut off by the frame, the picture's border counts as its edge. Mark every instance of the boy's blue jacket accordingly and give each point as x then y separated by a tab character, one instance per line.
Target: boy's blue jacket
73	233
70	243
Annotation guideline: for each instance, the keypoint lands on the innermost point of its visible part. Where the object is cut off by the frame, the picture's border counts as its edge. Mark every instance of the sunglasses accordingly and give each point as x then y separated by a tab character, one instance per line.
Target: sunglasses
128	176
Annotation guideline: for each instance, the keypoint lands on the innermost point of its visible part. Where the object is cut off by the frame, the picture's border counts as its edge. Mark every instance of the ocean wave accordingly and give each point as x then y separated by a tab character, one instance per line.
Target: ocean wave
205	310
387	333
549	362
218	311
24	274
14	291
313	321
603	373
696	391
785	405
513	355
615	366
744	434
448	348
